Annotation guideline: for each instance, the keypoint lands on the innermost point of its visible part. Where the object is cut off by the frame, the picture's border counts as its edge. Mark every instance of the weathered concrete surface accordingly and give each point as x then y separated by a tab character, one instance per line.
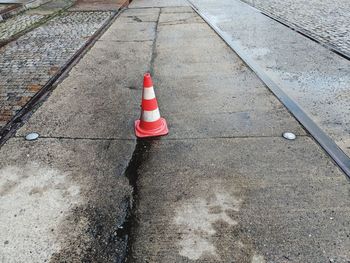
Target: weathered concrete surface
65	197
185	71
157	3
140	15
143	31
233	200
249	197
316	78
111	76
94	5
201	82
111	100
55	194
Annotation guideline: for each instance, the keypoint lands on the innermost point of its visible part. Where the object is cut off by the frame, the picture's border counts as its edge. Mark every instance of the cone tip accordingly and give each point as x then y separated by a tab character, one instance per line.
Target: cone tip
147	80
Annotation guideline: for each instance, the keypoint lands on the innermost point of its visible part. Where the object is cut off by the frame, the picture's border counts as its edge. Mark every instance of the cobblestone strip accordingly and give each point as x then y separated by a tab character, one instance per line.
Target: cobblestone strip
28	63
17	24
327	21
31	18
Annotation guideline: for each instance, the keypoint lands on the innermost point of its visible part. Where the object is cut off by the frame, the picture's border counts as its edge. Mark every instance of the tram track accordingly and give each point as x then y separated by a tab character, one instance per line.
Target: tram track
326	142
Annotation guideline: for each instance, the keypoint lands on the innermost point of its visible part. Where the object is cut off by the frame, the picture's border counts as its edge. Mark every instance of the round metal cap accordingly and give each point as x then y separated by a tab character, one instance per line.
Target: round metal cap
289	136
32	136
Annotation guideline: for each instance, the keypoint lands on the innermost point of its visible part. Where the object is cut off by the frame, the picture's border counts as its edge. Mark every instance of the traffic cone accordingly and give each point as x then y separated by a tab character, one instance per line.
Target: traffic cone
150	123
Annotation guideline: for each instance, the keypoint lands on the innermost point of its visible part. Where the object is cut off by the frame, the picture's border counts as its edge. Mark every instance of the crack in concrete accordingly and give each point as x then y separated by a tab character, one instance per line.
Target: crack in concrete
154	52
139	156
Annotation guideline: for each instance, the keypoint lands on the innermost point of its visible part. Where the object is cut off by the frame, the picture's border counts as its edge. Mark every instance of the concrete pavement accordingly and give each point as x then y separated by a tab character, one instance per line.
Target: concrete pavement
222	187
95	5
102	93
229	188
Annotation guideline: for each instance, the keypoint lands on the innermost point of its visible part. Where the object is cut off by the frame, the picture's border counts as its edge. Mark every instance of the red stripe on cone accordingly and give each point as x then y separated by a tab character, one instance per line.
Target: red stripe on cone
149	104
150	123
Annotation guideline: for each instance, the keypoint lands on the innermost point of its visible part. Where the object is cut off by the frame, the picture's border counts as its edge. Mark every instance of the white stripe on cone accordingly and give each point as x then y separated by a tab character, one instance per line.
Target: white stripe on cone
150	116
148	93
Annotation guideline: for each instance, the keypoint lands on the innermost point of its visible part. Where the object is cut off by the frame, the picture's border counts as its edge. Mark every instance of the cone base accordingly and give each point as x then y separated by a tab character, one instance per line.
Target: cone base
160	131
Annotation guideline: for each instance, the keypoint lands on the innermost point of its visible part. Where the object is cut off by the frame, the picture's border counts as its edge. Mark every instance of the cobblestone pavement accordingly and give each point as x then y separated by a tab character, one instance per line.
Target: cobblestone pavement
28	63
26	20
14	25
328	21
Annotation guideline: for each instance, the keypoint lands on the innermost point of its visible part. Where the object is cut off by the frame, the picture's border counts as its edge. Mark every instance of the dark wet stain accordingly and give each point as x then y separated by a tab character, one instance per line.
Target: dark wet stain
99	240
101	230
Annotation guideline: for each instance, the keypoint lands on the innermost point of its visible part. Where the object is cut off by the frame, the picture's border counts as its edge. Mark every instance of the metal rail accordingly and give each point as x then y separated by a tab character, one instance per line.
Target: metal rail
339	157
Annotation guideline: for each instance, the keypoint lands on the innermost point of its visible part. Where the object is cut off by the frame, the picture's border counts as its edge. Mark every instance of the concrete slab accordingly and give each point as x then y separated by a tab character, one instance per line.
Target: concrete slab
139	15
112	95
256	198
157	3
210	95
143	31
179	10
98	5
204	90
223	200
180	18
53	195
316	78
230	124
198	31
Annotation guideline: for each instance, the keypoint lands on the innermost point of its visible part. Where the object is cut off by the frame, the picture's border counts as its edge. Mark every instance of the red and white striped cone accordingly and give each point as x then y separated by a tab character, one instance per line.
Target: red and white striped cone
150	123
